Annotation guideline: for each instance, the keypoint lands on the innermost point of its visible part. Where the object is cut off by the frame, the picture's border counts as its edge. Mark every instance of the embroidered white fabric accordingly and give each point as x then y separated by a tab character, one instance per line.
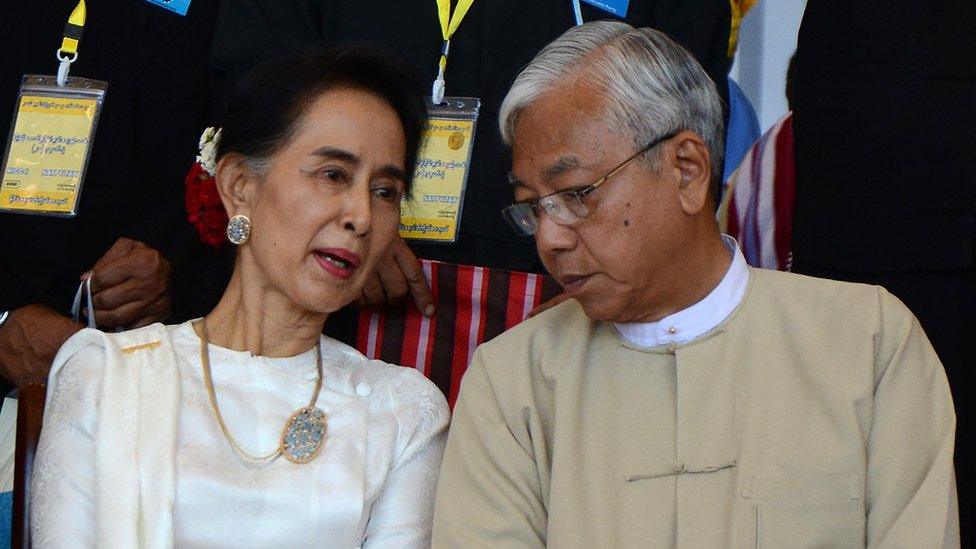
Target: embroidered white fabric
372	486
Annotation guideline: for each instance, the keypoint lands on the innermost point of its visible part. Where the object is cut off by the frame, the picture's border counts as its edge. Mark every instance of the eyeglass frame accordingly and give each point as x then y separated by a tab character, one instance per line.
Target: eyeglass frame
582	191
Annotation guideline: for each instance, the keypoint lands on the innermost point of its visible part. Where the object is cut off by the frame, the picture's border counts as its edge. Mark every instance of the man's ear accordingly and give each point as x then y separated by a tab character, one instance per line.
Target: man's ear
235	182
694	165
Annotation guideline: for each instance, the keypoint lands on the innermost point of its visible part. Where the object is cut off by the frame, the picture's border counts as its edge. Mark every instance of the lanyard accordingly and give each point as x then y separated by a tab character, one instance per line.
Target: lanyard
68	52
449	24
84	289
577	12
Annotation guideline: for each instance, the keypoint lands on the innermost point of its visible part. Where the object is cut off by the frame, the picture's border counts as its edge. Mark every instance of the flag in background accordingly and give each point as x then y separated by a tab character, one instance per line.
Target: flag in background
758	202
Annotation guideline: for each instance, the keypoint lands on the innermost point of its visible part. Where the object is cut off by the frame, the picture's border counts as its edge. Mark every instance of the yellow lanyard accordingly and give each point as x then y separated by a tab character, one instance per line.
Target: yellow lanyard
73	29
449	24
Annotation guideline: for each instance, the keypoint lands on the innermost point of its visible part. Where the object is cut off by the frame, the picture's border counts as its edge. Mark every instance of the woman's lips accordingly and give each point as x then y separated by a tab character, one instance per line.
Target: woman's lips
339	262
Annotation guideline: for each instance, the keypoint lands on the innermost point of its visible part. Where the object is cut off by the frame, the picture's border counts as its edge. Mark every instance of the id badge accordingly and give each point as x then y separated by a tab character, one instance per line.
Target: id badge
179	7
49	145
432	213
615	7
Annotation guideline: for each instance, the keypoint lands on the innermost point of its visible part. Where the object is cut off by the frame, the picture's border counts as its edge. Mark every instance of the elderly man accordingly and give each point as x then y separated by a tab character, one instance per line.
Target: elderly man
681	398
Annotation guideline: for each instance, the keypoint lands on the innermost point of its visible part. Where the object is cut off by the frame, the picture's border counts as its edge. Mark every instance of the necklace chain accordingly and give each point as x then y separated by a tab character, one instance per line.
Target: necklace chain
212	394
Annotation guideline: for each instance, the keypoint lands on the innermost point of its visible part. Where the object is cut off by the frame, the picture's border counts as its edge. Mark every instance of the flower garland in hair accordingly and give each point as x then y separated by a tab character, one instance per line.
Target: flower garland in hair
204	209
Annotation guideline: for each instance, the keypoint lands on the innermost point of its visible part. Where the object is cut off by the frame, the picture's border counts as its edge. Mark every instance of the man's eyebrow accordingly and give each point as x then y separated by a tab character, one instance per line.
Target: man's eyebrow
561	166
515	181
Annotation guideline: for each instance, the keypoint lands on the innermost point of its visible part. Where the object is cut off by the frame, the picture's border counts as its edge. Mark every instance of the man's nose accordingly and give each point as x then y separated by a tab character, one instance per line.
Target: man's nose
552	236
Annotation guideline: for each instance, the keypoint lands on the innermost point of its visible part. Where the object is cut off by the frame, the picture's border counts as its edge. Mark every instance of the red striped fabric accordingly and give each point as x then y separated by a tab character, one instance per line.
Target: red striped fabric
785	190
474	304
758	202
465	299
518	283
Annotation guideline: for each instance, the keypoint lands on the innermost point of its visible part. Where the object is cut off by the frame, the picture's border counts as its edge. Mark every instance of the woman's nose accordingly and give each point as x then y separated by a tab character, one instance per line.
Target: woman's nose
357	214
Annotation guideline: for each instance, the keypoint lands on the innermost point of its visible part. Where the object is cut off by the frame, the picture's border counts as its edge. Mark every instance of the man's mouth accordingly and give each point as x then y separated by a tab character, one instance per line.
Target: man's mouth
573	282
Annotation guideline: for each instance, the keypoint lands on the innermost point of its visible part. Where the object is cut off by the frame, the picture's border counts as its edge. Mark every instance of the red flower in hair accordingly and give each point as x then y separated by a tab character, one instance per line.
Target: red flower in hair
209	195
204	209
192	194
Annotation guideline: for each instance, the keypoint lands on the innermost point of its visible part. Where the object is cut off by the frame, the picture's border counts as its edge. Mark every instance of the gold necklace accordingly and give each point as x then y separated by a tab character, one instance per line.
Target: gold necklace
304	432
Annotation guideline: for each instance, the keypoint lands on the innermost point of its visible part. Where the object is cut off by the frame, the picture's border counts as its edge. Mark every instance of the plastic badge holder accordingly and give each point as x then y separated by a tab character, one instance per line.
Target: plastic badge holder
433	212
49	145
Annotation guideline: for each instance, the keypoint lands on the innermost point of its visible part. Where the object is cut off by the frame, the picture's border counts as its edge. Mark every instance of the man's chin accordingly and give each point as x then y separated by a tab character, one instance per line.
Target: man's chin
600	310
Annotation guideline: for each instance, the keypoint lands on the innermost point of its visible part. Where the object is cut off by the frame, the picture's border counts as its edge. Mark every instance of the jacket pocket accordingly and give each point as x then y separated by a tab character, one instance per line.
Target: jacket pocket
807	511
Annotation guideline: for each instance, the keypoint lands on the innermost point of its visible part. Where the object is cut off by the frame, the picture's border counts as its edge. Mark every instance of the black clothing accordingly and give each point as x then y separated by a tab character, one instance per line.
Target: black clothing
884	115
156	64
495	40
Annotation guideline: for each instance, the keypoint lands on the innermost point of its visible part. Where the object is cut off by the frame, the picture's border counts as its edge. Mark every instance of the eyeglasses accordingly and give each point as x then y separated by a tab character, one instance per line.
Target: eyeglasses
565	207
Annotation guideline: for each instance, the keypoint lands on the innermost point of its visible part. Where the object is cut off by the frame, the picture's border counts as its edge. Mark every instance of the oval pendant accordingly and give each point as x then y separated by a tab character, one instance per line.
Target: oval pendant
304	435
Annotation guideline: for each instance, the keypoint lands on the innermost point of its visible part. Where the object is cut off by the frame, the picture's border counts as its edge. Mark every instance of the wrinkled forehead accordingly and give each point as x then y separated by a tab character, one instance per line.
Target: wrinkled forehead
561	133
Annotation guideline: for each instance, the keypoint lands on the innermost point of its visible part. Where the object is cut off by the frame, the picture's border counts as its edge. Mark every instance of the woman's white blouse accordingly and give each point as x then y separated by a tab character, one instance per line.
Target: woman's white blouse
372	485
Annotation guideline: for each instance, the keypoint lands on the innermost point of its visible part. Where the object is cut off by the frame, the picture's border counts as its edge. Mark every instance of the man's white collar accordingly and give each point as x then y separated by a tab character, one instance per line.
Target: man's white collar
687	324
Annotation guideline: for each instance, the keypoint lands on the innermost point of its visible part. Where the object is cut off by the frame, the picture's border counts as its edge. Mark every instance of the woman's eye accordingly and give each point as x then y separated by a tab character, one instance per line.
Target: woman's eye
387	193
336	176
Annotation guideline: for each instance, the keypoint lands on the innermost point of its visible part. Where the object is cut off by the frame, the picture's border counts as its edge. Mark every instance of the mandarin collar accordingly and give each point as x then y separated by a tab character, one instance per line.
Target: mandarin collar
693	322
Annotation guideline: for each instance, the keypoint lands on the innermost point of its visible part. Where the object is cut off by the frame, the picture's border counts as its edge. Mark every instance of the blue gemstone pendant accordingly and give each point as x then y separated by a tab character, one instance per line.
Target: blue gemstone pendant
304	435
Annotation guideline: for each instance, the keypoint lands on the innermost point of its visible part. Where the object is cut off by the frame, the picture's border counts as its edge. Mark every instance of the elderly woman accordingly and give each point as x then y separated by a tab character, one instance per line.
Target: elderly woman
247	428
680	399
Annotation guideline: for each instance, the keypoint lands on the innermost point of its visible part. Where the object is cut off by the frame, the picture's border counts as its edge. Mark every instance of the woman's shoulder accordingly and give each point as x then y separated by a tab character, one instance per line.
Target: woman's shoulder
404	391
90	345
78	364
84	354
90	337
76	377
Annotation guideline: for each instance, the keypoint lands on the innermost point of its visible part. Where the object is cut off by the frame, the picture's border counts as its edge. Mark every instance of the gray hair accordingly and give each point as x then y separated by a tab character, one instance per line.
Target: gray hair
653	86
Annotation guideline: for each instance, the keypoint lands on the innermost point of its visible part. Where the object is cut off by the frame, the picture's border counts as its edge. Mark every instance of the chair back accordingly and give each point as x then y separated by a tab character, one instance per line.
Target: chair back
474	304
30	413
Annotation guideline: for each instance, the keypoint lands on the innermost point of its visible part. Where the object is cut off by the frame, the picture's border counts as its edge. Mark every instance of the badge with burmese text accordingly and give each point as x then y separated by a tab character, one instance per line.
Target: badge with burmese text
49	145
432	212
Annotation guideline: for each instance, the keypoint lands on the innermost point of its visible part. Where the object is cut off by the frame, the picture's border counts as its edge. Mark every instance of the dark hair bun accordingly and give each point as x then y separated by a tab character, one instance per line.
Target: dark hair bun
268	101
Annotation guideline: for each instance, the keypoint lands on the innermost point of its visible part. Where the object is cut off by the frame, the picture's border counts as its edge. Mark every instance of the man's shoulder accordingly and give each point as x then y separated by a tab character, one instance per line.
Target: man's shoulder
539	345
833	302
809	288
562	323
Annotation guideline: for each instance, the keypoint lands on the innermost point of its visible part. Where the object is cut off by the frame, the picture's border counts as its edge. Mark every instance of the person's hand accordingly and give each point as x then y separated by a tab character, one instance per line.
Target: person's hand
29	340
130	286
548	304
396	273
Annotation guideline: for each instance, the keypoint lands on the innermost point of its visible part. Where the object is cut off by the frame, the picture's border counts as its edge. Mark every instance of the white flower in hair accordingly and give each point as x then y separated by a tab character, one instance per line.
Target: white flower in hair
208	150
